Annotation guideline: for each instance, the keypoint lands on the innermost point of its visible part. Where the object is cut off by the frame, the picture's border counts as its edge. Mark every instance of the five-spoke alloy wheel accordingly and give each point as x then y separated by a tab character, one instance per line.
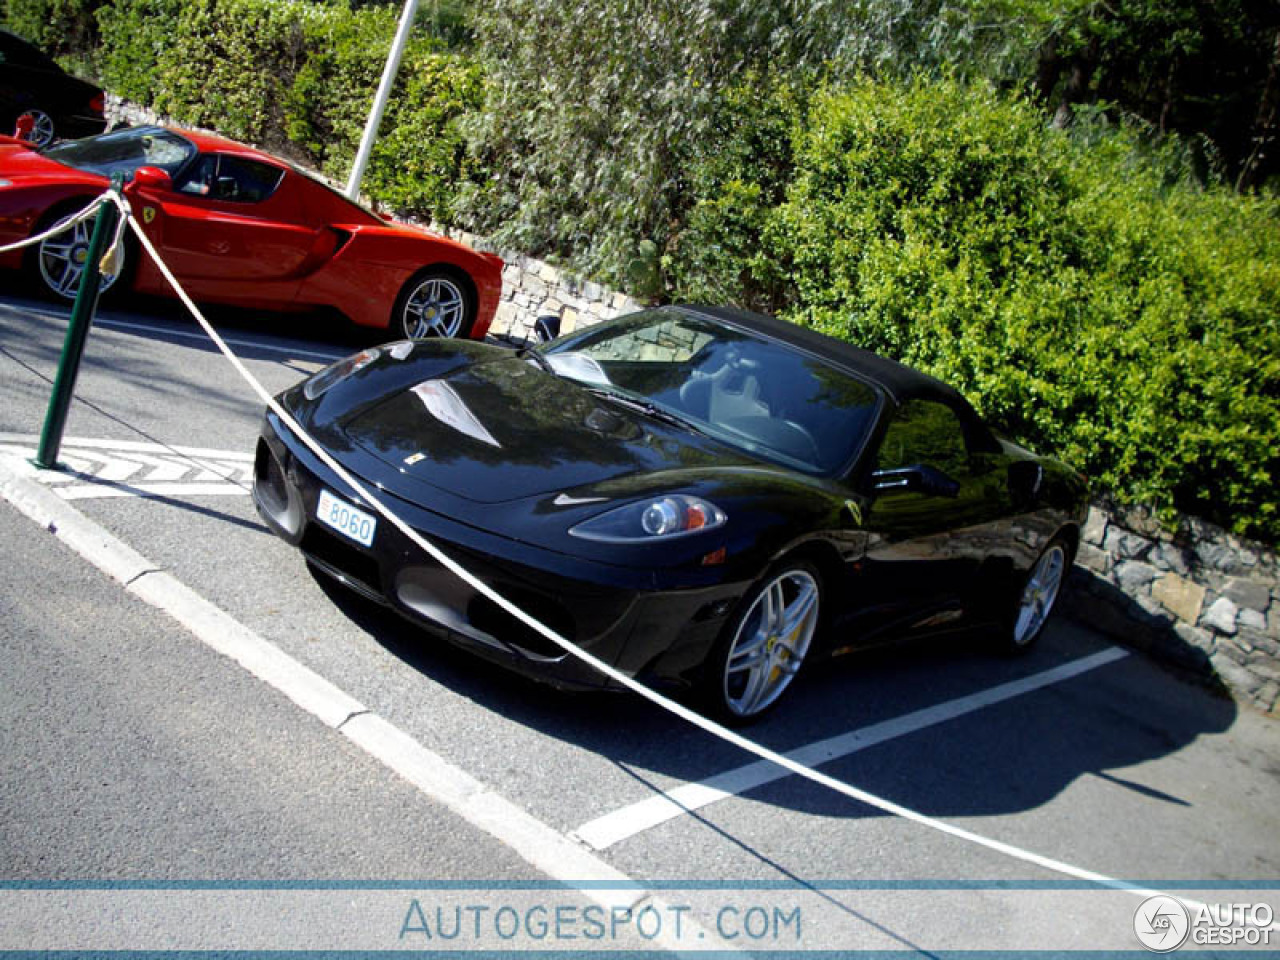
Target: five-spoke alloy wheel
434	304
766	644
1039	593
62	259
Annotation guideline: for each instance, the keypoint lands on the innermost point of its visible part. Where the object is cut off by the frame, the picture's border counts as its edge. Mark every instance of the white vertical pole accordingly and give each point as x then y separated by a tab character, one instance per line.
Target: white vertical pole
380	101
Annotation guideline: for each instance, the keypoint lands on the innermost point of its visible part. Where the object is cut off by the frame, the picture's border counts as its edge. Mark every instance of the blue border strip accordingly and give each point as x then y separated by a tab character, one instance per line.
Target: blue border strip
612	955
411	885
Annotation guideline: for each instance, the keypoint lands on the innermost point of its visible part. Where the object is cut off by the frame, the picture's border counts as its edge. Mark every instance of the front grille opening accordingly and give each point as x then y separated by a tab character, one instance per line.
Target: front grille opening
342	558
484	614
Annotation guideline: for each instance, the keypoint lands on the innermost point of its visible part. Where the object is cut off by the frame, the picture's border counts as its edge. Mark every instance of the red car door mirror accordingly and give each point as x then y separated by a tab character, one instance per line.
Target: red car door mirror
152	178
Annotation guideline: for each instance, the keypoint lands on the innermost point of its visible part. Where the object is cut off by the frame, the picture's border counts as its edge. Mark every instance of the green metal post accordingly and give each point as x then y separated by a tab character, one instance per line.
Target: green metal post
82	312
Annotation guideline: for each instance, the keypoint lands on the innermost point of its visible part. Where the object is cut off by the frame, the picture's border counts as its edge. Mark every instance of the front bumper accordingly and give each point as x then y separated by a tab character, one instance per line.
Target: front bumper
614	613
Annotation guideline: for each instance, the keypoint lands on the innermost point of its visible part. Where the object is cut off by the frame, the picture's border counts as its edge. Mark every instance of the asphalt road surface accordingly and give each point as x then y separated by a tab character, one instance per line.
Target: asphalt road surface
132	752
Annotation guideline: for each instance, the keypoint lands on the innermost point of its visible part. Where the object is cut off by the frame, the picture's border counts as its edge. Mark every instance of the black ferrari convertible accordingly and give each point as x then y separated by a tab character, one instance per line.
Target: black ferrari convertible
702	497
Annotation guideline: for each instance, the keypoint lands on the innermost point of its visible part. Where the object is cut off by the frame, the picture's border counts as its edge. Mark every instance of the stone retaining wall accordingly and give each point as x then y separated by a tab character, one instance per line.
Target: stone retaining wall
1200	598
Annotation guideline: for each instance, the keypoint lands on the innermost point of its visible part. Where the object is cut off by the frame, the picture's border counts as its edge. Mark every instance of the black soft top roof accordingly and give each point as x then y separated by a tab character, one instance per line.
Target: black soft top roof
900	382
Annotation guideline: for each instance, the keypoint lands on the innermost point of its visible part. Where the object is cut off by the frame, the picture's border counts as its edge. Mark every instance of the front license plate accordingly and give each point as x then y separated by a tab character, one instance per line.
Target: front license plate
346	519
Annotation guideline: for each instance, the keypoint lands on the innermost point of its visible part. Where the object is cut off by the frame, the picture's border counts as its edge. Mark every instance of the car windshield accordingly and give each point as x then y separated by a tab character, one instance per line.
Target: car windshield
768	398
124	151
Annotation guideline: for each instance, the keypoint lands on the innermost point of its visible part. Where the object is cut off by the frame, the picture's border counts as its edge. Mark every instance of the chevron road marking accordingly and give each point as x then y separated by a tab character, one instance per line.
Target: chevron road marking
99	469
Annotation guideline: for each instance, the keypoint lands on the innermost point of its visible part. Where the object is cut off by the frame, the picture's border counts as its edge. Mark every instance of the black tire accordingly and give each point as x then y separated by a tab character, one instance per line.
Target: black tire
57	262
765	644
1036	595
436	302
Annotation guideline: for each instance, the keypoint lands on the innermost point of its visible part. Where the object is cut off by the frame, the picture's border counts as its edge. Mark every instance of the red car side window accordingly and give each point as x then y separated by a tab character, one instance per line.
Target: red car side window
233	179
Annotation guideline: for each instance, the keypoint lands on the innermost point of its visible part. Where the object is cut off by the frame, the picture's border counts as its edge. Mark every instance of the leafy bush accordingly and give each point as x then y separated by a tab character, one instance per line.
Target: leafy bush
136	35
299	77
736	176
421	156
330	89
230	64
1090	301
223	64
591	106
59	27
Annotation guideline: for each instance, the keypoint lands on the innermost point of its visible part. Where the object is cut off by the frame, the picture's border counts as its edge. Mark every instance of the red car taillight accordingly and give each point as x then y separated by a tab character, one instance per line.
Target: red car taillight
98	104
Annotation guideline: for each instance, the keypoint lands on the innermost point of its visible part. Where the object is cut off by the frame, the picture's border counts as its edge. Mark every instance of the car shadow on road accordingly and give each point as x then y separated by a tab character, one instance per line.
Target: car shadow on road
1113	613
1012	756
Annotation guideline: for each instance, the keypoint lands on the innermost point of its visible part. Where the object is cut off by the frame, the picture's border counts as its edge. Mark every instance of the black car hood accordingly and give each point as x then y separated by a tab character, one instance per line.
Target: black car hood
504	429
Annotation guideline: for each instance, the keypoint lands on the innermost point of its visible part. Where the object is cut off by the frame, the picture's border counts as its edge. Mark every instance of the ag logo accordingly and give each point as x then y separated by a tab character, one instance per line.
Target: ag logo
1161	924
148	214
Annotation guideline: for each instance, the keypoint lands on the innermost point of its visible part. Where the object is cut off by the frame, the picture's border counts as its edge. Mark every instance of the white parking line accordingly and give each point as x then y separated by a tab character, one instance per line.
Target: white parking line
628	821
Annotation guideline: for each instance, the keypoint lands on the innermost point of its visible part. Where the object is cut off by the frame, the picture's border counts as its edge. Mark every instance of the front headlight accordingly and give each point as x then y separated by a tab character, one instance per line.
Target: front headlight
335	373
661	518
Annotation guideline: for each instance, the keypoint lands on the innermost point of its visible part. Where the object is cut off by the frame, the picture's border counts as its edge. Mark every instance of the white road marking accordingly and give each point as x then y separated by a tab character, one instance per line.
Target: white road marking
145	490
102	469
107	469
165	470
605	831
136	446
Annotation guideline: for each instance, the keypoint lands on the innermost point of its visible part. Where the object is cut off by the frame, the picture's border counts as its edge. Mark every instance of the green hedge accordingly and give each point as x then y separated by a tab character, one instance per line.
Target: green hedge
62	28
1088	297
298	77
420	160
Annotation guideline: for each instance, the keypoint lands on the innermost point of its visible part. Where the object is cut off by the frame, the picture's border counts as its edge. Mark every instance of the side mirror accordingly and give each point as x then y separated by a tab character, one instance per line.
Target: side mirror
917	478
152	178
546	328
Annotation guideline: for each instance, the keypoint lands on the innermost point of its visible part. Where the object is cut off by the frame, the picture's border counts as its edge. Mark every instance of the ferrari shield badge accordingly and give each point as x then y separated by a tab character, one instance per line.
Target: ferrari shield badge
148	214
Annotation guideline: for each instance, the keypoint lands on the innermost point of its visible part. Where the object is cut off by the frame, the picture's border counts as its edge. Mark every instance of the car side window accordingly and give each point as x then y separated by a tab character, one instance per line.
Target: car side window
233	179
925	433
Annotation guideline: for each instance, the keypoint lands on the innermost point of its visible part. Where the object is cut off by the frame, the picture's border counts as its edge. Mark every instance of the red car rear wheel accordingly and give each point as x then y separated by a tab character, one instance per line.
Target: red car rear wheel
435	303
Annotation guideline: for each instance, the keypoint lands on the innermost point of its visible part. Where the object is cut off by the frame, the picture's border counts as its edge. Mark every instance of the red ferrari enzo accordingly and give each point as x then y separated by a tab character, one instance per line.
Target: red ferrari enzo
238	226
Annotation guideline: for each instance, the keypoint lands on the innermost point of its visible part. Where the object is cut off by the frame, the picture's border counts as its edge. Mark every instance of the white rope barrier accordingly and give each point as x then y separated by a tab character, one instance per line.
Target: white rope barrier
679	710
69	222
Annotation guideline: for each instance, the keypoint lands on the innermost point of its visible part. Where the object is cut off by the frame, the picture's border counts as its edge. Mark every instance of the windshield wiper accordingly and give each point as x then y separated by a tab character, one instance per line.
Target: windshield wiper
527	353
646	407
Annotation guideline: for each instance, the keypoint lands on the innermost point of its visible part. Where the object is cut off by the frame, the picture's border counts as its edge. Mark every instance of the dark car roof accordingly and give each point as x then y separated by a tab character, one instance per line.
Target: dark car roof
900	382
25	54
